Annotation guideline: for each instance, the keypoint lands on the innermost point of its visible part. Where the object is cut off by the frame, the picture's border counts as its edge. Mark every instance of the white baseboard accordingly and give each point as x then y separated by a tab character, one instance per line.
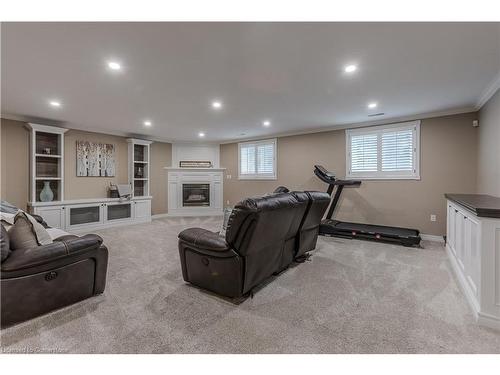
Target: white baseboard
118	223
159	216
187	214
489	321
431	237
425	237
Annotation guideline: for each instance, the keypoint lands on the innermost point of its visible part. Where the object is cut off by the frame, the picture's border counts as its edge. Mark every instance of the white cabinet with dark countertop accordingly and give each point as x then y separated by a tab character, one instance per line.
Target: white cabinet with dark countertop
473	247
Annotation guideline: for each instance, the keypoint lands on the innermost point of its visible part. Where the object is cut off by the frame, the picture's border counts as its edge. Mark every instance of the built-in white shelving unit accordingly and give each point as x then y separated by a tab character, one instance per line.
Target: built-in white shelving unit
46	162
83	215
139	169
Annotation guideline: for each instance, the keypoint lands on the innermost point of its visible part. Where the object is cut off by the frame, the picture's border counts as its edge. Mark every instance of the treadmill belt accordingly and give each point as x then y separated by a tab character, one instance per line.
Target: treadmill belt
381	229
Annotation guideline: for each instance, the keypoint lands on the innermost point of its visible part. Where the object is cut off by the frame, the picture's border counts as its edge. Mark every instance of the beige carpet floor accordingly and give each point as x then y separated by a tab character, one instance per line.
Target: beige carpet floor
351	297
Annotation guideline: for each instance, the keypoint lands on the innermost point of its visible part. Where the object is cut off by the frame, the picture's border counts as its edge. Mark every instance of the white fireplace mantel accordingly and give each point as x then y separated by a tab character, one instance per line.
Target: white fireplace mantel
176	177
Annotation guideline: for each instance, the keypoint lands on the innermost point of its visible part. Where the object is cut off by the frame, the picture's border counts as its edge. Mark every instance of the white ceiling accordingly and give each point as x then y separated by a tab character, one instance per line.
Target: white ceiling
291	73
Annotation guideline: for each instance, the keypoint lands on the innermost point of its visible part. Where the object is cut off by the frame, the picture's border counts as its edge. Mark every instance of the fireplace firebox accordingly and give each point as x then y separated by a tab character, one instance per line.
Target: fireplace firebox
195	195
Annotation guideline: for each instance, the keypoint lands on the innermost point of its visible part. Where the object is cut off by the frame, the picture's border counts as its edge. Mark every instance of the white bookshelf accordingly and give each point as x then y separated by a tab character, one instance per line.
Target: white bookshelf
46	161
139	153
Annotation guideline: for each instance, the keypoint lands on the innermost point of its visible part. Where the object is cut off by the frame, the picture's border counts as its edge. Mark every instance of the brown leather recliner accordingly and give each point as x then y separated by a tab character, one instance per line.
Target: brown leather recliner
38	280
263	237
309	228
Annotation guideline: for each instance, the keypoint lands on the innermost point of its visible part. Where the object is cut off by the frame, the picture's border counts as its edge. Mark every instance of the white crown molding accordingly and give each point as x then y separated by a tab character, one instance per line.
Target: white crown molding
342	126
68	126
490	90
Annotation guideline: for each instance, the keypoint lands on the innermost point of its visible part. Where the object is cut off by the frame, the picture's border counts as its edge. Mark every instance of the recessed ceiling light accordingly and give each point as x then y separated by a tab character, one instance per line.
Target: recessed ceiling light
216	104
201	134
350	68
113	65
372	105
147	123
266	123
55	103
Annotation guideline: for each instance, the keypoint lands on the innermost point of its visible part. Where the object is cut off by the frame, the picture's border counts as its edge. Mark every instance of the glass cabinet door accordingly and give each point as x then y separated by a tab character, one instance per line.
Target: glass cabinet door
81	215
119	211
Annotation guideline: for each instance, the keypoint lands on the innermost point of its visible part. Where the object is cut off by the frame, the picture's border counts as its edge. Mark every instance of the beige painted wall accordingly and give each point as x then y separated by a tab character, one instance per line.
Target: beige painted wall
15	166
488	167
161	156
92	187
448	164
14	163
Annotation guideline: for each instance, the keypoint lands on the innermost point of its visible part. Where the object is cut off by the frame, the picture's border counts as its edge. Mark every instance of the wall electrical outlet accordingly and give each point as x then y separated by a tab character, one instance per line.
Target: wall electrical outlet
433	217
228	176
227	202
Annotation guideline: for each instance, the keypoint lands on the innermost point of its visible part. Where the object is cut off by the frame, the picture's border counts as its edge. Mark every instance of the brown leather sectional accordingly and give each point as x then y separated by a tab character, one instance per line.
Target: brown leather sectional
264	236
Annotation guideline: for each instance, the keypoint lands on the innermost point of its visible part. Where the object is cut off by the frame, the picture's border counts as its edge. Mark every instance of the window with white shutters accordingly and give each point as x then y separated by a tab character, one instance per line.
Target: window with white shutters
257	160
384	152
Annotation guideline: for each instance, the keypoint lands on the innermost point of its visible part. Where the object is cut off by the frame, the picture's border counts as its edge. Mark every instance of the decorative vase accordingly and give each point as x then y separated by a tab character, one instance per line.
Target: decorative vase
46	195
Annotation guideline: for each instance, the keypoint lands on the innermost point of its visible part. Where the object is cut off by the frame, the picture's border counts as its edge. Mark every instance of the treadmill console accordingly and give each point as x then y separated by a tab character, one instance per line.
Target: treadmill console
324	172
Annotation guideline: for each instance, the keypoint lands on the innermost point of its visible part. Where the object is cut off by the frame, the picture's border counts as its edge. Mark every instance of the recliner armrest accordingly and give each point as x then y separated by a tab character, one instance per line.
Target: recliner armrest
63	247
204	239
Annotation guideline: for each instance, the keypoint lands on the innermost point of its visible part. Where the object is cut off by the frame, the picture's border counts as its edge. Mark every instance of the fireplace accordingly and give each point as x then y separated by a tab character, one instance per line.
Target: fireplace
195	195
194	191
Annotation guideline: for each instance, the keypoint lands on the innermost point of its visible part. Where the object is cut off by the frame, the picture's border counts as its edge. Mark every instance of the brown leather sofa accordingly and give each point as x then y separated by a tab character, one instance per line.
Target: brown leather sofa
264	236
38	280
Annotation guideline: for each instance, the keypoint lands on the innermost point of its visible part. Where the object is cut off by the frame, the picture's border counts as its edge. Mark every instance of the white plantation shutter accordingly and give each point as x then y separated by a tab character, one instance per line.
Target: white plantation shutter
265	158
247	159
364	150
257	160
384	152
397	150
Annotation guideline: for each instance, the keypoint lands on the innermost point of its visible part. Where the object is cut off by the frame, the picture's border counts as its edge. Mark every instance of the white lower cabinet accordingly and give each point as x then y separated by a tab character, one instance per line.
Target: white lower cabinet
54	216
473	247
86	215
142	209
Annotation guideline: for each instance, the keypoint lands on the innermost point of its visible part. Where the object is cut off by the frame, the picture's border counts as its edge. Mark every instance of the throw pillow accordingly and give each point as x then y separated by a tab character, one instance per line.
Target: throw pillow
22	235
42	236
4	244
7	219
227	213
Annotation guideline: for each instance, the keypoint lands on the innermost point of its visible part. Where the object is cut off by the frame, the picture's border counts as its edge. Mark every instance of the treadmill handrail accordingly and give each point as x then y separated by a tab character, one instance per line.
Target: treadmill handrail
330	179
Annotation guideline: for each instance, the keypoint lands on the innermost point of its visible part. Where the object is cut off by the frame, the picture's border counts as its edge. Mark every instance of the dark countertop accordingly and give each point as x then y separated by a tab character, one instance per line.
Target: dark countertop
480	204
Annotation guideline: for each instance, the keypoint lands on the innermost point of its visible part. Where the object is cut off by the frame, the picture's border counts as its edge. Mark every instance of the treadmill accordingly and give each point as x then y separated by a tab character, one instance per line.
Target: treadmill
331	227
